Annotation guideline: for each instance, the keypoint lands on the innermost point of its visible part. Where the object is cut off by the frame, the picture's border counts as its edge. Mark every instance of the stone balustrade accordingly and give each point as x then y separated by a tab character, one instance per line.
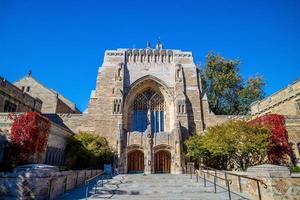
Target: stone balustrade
31	187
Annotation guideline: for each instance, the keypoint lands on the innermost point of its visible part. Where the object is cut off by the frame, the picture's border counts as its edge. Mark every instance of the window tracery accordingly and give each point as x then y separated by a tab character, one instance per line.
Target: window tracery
152	102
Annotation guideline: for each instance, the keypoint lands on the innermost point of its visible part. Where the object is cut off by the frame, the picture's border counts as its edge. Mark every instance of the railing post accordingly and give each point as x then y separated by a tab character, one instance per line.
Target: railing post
186	170
228	188
197	176
76	178
191	172
204	180
226	178
87	189
258	190
215	182
66	182
240	184
50	186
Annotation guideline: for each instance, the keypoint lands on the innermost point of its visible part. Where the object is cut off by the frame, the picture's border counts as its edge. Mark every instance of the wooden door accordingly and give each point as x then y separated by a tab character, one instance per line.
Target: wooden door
162	162
135	162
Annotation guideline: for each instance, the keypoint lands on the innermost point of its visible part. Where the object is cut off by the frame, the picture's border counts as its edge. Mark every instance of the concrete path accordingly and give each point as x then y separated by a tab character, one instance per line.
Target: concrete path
155	186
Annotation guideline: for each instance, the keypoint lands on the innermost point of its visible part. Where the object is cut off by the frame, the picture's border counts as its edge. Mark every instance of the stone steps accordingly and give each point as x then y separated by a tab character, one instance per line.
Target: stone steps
158	186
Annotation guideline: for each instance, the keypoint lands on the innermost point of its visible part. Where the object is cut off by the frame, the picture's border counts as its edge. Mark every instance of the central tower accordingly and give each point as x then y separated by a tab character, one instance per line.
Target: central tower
147	102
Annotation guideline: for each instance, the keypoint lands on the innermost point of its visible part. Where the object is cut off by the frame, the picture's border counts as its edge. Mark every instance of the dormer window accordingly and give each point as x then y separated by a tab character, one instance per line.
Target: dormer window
28	88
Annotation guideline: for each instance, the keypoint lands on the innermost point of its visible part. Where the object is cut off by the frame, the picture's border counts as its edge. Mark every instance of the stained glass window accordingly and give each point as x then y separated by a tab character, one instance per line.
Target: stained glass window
148	100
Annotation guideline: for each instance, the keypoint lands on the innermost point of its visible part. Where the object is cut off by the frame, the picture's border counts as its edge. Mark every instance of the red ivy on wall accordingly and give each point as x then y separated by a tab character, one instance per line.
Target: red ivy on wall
29	136
279	149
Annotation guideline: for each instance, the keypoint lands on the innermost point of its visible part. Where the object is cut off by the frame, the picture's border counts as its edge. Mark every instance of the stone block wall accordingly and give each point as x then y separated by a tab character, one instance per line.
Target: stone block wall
23	101
285	102
57	137
30	187
276	186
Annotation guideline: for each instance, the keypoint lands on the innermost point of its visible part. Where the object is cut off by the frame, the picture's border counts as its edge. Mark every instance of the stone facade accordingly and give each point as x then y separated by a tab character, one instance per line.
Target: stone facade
128	75
53	102
147	102
13	99
56	141
284	102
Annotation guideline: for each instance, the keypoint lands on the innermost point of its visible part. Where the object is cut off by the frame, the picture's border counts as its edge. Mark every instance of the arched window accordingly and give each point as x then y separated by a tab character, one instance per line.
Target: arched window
152	102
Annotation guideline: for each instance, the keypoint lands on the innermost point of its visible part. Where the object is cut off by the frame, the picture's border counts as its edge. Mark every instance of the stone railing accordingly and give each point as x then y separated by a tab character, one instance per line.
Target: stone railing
270	182
32	187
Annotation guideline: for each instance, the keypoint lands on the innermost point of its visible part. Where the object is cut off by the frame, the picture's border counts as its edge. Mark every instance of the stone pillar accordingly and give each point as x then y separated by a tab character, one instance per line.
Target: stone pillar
148	153
280	184
121	159
177	160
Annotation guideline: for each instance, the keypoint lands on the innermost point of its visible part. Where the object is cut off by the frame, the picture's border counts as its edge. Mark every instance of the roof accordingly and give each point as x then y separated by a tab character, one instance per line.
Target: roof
266	98
60	96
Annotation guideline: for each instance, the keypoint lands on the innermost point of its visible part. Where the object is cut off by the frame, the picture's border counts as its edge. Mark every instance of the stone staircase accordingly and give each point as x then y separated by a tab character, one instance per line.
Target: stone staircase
158	186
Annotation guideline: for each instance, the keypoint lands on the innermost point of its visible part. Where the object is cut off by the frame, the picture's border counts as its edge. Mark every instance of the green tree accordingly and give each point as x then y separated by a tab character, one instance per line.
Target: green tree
88	150
227	92
234	144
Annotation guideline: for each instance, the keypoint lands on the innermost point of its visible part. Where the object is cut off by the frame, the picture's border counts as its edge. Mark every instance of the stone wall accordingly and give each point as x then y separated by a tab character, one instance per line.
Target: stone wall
23	101
43	187
285	102
292	124
273	182
57	137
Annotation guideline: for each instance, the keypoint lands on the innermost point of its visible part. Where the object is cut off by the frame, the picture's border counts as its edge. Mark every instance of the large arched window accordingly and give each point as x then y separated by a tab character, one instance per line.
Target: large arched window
152	101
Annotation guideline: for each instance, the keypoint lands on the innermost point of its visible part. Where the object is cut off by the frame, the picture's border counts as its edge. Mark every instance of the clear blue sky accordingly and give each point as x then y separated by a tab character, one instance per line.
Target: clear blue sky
63	42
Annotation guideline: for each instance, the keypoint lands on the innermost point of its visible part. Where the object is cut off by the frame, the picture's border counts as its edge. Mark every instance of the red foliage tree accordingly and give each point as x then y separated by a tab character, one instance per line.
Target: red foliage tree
279	149
29	136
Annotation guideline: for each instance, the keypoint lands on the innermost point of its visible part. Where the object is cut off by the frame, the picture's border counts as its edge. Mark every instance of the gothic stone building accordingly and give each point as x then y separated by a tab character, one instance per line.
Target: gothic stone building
146	103
284	102
33	96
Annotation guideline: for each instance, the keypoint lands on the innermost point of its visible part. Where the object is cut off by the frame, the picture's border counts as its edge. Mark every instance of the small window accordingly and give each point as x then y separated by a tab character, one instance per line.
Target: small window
10	107
117	106
181	107
28	88
23	88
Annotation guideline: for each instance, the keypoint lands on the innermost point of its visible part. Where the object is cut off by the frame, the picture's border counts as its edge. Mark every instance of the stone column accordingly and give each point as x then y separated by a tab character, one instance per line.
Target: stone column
148	153
280	184
120	150
177	157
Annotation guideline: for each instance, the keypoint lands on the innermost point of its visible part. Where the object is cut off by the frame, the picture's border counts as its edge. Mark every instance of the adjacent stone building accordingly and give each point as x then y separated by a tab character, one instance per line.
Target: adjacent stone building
18	100
13	99
53	102
284	102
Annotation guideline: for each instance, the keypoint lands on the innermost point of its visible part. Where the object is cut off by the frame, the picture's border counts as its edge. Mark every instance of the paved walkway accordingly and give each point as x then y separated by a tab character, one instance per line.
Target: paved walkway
156	186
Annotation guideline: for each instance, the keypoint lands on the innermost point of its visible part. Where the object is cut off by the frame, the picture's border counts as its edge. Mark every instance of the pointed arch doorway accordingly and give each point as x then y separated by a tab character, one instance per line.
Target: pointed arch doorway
162	161
135	162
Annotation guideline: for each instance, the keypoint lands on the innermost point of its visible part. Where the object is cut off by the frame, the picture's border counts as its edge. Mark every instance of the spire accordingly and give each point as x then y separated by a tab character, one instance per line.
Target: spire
148	45
29	73
159	44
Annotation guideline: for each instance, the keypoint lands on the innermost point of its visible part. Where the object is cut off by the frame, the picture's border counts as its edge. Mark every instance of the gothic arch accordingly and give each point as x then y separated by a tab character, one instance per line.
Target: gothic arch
148	83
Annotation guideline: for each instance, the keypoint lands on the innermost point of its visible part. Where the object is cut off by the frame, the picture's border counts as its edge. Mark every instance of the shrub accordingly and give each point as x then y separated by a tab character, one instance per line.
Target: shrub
233	144
88	150
295	169
279	148
29	137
